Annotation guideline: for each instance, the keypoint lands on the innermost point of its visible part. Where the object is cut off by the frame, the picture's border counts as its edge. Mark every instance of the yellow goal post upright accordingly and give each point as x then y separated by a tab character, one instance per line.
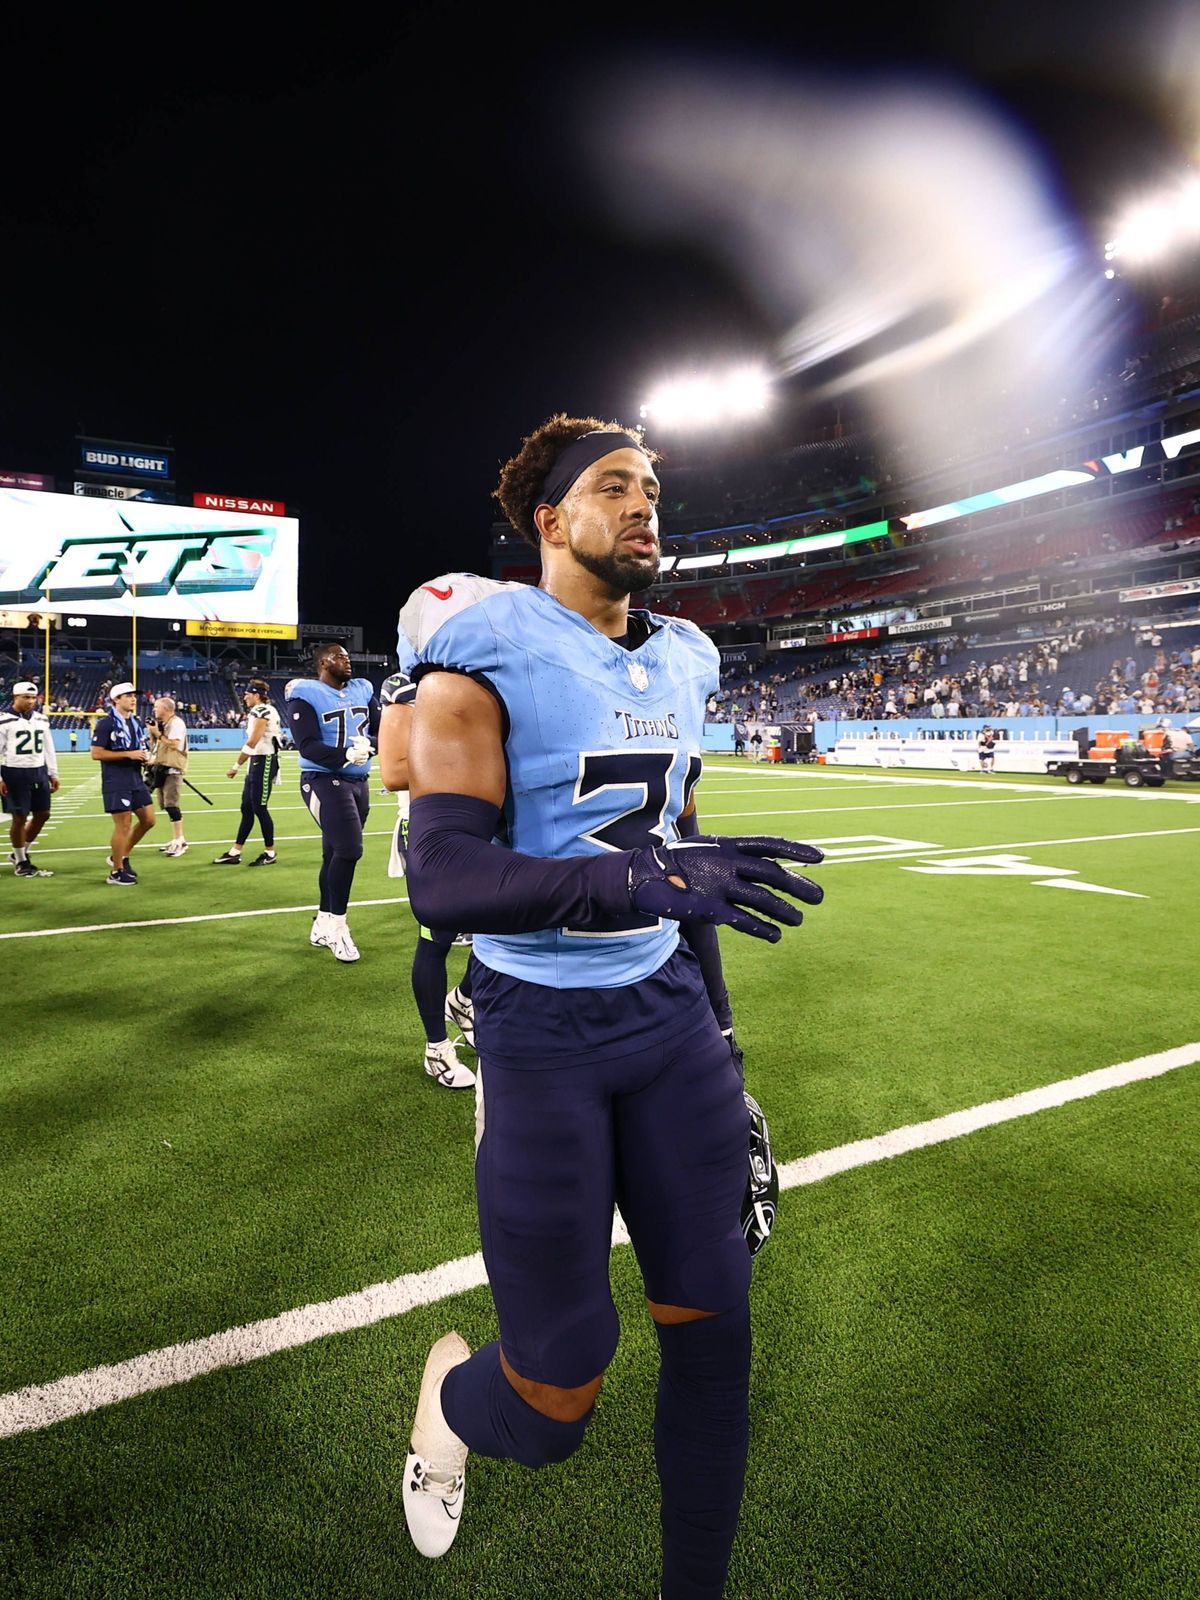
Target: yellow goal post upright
71	712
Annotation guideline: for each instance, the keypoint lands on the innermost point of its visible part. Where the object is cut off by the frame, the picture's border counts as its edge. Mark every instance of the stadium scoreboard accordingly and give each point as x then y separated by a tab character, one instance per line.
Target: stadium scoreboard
140	559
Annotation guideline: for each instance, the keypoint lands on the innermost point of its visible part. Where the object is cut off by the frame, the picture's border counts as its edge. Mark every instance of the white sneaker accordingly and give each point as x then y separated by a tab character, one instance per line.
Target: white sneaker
319	932
435	1473
442	1063
180	847
339	940
461	1012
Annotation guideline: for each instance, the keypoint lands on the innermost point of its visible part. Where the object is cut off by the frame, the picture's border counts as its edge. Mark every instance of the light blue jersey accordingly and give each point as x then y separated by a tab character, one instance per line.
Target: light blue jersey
341	714
603	749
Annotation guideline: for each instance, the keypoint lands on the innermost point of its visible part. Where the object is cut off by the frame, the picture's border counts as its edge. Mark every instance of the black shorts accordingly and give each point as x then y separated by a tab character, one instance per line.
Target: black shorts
28	789
129	794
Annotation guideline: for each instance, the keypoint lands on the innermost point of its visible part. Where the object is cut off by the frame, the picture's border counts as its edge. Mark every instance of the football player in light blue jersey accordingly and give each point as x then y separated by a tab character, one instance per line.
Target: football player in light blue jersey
333	719
555	745
435	1006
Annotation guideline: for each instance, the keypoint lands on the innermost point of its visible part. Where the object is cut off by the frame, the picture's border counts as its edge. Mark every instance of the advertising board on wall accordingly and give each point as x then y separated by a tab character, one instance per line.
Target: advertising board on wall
239	502
27	480
115	458
922	625
240	630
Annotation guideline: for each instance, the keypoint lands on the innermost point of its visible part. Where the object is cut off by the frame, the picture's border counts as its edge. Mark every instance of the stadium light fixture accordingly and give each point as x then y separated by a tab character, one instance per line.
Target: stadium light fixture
1157	225
710	400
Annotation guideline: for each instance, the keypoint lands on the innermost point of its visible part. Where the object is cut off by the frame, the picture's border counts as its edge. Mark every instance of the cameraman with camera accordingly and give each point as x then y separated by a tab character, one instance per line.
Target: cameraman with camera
169	755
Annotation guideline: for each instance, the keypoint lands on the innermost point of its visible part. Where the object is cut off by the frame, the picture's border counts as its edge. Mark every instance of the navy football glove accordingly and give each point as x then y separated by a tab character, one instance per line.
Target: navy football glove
722	875
735	1050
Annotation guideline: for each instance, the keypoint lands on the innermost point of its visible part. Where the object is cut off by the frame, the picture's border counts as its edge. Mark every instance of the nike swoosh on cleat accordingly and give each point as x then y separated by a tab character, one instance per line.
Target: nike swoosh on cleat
438	594
453	1515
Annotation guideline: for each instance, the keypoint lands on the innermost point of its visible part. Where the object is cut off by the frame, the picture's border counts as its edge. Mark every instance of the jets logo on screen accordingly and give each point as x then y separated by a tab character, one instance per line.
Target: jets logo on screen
107	567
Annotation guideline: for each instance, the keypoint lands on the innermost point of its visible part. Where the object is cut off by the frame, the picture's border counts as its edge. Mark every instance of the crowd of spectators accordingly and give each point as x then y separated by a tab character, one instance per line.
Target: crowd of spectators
1066	675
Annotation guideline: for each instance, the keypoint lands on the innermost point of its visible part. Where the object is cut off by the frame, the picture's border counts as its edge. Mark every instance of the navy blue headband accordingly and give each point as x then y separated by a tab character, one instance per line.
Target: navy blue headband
578	456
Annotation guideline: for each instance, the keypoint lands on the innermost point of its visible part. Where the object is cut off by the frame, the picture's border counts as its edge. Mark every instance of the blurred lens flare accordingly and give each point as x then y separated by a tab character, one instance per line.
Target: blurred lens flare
902	236
709	400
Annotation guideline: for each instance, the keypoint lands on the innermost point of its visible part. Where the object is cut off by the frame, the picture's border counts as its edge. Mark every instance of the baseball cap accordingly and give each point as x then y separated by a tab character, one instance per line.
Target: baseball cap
25	688
121	688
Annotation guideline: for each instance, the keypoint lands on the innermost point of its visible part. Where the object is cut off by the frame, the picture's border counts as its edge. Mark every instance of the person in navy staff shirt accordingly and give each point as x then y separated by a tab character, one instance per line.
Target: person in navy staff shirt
334	721
120	742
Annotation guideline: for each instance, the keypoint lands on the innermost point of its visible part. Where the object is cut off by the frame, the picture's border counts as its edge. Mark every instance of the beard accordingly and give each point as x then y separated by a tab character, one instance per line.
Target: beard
623	572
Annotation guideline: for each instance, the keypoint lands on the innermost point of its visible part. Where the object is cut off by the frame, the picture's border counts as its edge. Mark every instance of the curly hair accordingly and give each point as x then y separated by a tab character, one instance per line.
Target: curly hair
521	478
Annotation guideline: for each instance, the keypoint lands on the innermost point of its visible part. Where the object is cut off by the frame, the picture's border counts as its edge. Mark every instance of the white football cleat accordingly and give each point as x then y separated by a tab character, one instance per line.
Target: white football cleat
338	939
461	1013
319	932
442	1063
435	1473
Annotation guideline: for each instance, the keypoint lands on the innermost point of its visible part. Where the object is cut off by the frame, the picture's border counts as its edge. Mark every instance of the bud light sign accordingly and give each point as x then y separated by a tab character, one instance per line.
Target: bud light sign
124	461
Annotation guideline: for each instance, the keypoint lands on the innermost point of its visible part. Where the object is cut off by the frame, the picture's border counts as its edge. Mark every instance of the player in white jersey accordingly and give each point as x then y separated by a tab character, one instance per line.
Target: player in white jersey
28	775
261	751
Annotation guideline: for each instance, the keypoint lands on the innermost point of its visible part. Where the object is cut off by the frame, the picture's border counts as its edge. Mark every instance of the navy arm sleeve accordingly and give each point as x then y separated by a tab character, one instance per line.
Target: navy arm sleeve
457	878
373	721
701	938
306	735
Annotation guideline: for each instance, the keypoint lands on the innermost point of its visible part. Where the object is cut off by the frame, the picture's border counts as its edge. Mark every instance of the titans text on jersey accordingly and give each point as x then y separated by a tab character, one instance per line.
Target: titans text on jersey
607	757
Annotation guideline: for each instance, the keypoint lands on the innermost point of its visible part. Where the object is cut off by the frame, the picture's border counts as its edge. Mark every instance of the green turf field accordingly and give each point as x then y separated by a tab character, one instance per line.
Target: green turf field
975	1370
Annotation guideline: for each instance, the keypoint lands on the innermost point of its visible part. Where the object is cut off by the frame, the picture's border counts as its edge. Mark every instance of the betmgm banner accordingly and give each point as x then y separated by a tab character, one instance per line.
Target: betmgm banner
128	558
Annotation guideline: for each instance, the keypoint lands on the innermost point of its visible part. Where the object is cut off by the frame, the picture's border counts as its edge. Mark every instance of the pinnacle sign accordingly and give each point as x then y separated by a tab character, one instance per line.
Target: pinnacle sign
105	567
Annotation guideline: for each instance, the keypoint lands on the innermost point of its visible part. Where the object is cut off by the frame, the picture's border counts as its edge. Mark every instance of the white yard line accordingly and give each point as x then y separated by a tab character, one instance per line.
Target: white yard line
884	810
992	849
839	861
171	922
44	1404
281	838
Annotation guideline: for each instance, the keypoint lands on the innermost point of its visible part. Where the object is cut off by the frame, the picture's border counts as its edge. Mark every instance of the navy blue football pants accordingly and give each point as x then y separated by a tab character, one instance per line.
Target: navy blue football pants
663	1133
340	806
261	773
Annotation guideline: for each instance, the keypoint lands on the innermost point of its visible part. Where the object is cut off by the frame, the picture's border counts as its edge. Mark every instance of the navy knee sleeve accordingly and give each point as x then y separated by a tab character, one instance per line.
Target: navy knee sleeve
489	1416
174	813
701	1434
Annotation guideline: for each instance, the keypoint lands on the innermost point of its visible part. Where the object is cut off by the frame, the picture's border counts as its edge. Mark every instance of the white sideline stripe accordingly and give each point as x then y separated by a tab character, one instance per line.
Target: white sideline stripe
873	775
41	1405
283	838
210	916
920	1135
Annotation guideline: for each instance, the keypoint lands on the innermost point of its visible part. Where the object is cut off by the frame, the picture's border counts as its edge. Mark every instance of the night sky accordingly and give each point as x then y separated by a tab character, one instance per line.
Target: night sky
348	268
